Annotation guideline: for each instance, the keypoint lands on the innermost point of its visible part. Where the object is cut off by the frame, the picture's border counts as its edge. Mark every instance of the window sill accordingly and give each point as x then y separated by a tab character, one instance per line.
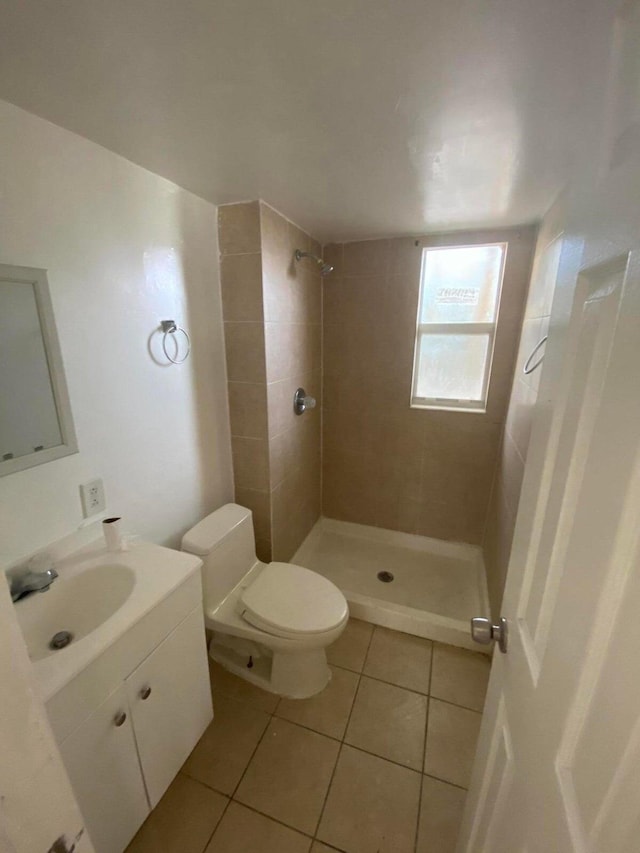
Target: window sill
473	410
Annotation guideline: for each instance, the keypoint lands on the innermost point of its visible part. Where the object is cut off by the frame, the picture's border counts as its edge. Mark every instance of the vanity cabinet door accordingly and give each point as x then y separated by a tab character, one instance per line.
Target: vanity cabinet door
101	760
170	700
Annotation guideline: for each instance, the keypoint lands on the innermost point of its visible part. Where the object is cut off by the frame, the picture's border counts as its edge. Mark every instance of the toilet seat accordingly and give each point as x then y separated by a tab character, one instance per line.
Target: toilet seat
289	601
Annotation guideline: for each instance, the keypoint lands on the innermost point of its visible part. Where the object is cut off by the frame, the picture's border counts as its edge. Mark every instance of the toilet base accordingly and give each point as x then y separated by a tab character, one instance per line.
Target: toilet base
295	675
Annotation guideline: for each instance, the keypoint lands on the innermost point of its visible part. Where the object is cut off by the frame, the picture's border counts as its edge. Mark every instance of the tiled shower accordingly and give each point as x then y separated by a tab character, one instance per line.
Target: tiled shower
363	456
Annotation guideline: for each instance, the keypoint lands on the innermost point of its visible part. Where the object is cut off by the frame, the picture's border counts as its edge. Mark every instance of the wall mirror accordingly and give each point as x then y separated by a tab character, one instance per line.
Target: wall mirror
36	425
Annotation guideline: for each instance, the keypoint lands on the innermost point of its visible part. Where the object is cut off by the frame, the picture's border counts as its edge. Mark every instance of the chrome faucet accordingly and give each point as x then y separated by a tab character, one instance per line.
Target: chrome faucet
29	581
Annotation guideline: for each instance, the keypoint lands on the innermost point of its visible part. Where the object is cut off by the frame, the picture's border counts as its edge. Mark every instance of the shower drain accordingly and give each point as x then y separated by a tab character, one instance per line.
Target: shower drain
60	640
385	577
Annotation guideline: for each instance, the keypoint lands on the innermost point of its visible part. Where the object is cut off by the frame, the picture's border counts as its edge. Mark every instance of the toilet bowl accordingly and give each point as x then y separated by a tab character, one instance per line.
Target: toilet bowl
270	622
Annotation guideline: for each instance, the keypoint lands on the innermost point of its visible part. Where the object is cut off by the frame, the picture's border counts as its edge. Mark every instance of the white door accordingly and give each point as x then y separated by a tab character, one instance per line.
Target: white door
170	700
558	762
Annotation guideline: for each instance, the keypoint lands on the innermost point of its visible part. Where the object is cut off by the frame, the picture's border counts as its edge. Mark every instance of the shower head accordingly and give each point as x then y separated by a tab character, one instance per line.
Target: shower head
324	268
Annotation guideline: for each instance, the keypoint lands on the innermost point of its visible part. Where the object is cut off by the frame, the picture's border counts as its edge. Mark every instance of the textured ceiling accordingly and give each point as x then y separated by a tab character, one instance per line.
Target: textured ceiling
356	118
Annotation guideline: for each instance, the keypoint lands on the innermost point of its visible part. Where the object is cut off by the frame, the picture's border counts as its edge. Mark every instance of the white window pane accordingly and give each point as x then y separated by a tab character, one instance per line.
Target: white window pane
461	284
452	367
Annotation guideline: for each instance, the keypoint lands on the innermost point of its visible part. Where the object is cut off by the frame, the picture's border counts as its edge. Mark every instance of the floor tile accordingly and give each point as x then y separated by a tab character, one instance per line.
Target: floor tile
350	649
183	820
440	816
223	752
372	805
399	658
327	712
452	733
231	685
319	847
242	830
289	775
460	676
389	721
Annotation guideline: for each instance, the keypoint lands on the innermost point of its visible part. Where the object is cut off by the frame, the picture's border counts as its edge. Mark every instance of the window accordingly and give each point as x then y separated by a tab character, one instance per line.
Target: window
459	297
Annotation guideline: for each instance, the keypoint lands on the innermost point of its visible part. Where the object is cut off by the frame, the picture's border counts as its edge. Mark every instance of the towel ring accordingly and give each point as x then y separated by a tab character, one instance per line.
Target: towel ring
170	327
528	367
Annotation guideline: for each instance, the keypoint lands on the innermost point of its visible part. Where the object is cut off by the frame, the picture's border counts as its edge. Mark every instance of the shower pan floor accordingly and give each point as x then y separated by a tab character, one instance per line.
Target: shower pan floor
437	586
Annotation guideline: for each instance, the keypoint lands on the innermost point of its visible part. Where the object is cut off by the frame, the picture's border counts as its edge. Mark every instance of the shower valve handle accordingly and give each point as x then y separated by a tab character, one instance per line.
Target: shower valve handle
302	401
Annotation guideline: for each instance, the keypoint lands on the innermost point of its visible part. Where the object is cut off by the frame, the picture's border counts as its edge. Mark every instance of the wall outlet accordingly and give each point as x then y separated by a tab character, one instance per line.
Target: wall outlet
92	495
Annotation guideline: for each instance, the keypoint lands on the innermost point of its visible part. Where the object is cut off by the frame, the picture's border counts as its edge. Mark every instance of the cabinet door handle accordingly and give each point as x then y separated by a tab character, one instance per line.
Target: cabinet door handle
145	692
119	719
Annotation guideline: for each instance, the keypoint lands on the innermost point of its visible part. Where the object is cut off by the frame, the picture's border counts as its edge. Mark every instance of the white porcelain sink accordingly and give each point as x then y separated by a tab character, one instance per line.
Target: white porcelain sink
77	605
98	596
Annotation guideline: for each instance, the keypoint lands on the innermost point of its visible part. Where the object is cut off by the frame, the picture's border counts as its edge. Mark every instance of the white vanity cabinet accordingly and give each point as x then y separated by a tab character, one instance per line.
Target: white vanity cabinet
101	760
122	757
170	701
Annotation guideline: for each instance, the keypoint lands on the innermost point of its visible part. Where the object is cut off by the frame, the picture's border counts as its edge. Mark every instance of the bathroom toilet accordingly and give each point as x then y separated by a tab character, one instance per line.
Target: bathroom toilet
271	622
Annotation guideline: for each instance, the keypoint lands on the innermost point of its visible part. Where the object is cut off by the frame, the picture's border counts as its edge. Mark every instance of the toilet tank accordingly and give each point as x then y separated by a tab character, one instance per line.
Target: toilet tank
225	543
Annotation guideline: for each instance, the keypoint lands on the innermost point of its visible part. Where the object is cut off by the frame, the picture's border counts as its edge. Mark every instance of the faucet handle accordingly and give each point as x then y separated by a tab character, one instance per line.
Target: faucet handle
41	562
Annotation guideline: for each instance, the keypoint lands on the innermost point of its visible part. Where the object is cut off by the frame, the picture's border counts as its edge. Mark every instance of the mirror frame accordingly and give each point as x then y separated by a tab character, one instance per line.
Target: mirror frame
37	278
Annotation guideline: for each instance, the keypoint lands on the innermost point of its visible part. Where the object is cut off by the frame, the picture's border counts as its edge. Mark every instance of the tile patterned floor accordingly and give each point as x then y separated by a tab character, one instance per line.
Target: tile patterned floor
377	763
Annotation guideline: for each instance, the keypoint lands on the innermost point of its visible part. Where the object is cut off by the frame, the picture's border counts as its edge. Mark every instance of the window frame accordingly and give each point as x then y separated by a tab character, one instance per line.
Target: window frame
471	328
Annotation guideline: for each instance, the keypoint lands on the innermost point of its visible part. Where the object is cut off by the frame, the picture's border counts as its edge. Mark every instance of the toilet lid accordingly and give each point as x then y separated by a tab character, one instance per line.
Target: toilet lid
285	597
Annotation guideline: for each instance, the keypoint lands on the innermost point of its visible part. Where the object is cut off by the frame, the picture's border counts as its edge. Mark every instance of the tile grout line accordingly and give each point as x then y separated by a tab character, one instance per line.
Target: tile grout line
424	753
230	797
273	715
427	695
355	696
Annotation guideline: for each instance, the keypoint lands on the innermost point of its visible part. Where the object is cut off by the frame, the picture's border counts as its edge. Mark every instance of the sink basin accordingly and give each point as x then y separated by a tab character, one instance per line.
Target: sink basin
99	599
78	605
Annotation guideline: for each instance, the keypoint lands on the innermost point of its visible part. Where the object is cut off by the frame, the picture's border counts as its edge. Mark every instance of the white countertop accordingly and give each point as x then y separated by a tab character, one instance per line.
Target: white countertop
157	571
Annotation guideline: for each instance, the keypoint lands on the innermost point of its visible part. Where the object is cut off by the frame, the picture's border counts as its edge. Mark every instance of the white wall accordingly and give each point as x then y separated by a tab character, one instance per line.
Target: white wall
123	249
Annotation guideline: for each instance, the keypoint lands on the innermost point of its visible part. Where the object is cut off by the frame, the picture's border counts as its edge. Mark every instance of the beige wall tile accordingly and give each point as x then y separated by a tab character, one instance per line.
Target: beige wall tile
295	506
250	463
368	338
280	401
264	551
242	830
372	805
405	257
259	502
292	349
239	228
510	473
241	285
520	415
497	549
297	447
261	282
292	289
244	343
289	775
332	254
248	409
349	486
366	257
